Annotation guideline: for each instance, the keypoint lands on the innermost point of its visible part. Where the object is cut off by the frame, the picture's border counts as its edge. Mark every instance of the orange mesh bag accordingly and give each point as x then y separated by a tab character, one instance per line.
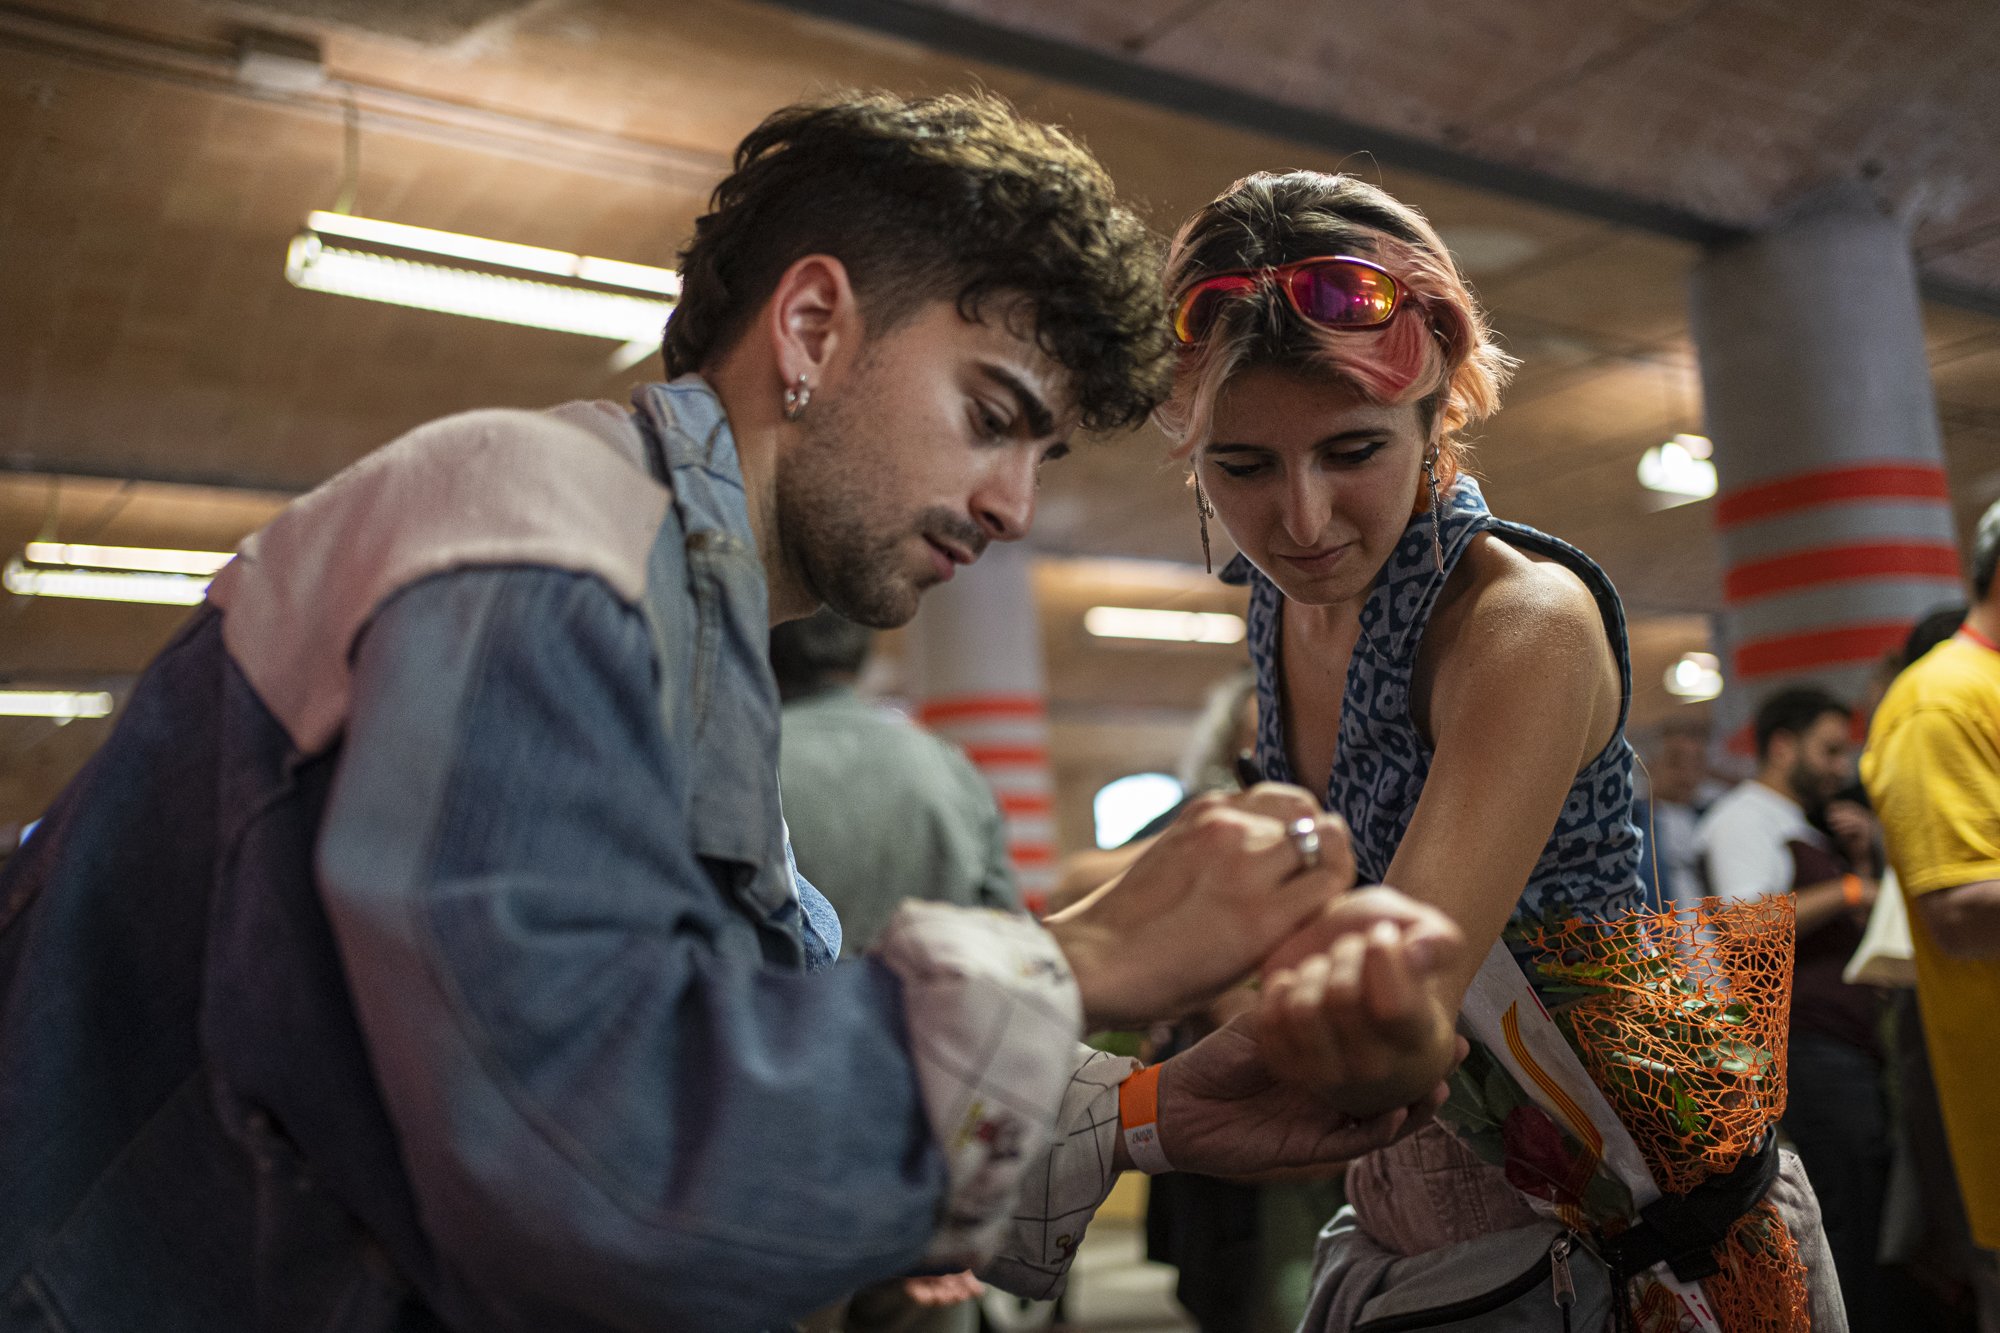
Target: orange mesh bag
1681	1018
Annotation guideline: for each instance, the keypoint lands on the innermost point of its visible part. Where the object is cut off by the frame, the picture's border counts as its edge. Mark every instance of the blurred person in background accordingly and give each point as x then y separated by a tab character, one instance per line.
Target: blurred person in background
1925	1234
1680	790
422	947
1932	766
1761	840
880	811
1242	1251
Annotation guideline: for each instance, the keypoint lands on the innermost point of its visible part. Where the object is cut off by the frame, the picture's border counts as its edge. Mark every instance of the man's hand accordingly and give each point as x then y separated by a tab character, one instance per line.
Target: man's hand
1856	831
943	1289
1223	1113
1366	1023
1203	907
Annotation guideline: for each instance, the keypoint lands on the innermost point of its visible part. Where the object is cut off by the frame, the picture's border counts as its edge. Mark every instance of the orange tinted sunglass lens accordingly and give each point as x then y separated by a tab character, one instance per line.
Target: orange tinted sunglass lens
1342	293
1195	314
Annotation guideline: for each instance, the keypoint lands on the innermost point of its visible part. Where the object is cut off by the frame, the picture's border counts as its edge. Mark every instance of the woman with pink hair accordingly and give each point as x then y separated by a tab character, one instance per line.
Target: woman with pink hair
1454	684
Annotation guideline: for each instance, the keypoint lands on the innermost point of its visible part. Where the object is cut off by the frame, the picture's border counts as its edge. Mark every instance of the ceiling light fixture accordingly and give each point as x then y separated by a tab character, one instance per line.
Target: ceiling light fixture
62	705
135	559
112	573
1679	469
596	297
1696	676
1127	622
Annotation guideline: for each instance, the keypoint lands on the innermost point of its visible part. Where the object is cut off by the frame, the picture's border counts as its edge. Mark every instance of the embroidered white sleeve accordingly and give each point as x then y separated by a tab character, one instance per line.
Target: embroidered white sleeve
1063	1190
993	1016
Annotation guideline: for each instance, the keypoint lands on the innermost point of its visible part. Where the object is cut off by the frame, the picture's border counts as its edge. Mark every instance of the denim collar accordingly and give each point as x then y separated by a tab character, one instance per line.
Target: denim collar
685	422
726	700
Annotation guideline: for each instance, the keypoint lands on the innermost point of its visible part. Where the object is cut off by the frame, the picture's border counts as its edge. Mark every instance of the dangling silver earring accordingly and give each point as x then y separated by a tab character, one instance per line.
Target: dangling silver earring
1437	510
797	397
1203	511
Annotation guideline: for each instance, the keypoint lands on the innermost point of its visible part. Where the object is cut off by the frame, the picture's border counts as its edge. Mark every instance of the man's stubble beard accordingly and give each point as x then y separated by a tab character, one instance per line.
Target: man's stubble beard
832	529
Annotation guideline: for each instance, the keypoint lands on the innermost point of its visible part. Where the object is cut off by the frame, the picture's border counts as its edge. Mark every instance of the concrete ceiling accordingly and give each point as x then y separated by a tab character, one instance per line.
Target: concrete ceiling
1701	116
147	196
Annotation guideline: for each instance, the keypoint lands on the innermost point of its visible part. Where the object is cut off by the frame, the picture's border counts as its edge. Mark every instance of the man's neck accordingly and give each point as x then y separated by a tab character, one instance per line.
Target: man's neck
1984	619
1776	782
756	423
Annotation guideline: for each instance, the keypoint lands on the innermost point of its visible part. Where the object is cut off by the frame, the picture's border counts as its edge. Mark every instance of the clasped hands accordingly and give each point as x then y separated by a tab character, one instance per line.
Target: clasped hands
1350	1033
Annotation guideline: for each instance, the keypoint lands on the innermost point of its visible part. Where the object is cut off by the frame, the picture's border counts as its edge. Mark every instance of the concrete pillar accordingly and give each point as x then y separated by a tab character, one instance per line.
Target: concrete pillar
1834	518
975	661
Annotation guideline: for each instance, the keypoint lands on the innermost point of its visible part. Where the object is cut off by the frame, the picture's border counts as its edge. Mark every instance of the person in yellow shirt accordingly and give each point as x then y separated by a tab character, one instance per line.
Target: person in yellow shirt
1932	768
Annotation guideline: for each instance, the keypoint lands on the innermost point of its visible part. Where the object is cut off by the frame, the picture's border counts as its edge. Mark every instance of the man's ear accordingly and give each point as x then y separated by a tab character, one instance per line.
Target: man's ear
812	319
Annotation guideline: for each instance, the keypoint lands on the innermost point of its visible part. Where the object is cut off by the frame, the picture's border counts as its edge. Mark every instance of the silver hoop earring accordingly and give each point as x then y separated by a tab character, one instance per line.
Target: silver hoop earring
797	397
1437	511
1203	511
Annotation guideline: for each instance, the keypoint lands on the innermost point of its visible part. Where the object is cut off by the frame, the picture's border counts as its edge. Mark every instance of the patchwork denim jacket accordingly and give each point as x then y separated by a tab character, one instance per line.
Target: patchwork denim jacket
423	947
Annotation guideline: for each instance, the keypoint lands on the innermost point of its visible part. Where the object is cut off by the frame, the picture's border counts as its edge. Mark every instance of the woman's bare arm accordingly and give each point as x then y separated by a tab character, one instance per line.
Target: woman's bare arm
1523	691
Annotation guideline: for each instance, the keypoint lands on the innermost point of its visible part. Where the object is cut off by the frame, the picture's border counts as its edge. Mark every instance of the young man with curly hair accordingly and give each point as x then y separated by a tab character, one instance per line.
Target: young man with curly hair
423	948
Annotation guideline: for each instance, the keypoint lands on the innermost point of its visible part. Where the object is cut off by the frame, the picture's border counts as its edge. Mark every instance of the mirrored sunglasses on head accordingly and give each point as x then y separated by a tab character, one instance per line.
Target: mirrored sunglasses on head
1330	291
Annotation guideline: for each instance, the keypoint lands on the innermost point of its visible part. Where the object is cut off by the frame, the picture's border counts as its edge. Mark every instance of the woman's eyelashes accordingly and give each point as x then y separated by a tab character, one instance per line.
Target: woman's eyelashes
1242	466
1349	454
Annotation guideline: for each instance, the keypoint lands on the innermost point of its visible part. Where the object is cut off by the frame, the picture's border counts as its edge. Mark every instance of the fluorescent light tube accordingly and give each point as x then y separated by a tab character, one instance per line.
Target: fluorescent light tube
140	559
104	585
480	250
1127	622
59	704
318	267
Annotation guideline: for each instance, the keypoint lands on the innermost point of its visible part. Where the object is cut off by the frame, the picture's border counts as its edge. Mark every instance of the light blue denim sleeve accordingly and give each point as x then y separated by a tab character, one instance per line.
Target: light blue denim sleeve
819	919
612	1113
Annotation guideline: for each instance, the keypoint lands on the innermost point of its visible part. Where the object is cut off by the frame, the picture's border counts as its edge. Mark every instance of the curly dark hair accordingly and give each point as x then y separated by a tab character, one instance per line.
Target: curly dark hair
955	197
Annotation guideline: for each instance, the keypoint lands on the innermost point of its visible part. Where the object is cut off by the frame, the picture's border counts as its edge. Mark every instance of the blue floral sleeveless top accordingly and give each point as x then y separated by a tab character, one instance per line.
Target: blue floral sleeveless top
1590	866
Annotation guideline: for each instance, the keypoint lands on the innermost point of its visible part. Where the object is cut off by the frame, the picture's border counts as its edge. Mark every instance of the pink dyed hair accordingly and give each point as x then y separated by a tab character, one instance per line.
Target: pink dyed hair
1437	351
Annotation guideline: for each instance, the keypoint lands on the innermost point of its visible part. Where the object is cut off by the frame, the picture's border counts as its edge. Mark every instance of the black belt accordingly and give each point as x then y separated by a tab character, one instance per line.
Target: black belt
1683	1230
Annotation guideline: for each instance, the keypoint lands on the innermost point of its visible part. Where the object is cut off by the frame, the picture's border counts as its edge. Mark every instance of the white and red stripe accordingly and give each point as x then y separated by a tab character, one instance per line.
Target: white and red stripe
977	669
1834	516
1824	571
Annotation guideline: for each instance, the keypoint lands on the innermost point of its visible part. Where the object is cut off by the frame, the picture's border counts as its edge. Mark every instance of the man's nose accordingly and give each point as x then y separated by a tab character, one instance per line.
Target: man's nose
1005	505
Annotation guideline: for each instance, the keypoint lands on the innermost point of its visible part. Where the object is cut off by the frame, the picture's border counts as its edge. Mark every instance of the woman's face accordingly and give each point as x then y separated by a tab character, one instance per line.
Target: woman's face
1314	483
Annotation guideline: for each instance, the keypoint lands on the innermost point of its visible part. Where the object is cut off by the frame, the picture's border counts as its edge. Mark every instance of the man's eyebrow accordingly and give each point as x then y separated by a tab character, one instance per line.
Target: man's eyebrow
1040	419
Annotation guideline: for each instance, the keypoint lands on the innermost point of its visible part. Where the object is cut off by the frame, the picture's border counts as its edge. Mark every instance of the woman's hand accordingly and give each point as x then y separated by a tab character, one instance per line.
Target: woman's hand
1359	1008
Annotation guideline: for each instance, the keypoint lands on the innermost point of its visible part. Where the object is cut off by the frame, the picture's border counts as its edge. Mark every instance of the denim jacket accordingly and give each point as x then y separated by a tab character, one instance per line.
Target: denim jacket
423	947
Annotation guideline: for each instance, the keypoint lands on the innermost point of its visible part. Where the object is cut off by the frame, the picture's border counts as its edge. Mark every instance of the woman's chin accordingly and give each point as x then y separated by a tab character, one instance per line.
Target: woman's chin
1331	589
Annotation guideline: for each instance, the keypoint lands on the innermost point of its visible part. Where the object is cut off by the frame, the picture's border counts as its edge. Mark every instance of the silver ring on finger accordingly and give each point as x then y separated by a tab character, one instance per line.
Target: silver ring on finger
1305	836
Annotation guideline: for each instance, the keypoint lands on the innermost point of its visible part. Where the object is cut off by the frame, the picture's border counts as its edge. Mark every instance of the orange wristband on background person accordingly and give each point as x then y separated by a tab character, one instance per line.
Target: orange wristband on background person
1850	890
1138	1119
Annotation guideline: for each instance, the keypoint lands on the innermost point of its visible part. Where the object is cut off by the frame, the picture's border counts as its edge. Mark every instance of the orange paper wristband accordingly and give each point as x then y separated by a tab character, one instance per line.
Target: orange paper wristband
1850	891
1138	1119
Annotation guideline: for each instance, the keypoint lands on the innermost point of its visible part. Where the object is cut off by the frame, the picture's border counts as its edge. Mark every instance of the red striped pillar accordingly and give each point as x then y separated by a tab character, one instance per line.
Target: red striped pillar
976	672
1834	518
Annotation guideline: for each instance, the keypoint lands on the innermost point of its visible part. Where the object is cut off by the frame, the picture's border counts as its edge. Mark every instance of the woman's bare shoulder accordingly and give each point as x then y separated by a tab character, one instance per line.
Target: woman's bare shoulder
1500	591
1522	640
